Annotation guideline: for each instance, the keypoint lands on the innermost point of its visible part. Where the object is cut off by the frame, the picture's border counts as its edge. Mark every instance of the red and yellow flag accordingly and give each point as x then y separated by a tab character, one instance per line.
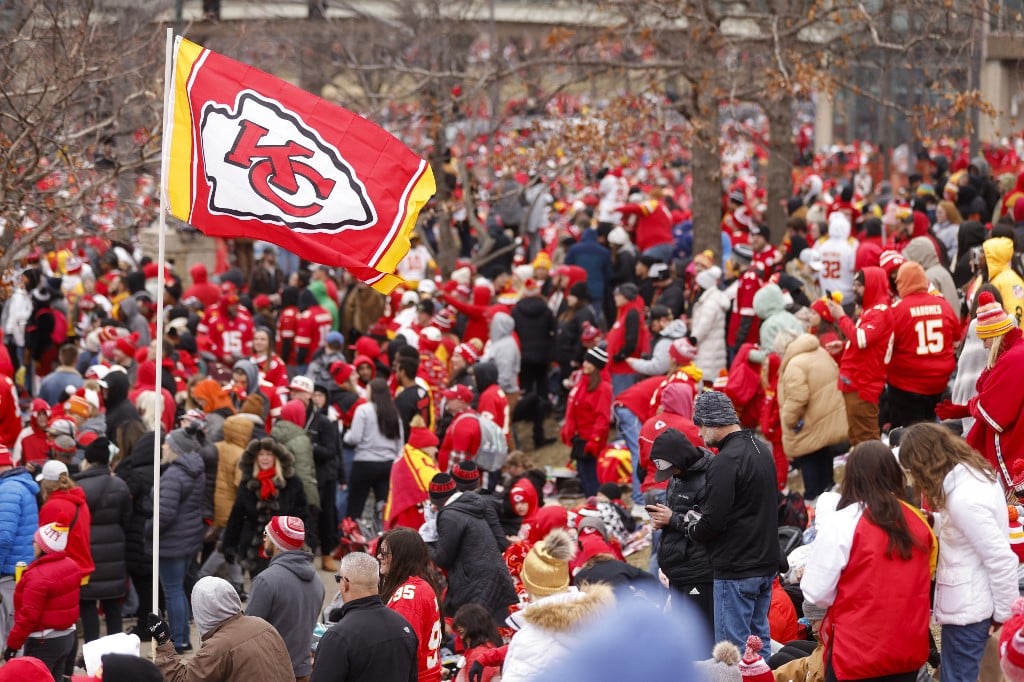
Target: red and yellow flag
253	156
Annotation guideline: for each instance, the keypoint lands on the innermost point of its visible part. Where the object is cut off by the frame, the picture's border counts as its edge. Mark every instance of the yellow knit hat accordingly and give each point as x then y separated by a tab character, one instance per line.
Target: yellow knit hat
546	567
992	319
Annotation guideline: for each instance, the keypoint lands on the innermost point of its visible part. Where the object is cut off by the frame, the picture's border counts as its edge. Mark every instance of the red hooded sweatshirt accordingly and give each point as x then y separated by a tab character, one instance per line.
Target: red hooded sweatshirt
208	294
864	364
71	506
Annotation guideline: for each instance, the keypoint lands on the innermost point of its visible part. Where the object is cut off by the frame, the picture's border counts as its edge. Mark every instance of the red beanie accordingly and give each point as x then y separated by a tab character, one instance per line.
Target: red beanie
422	438
286	532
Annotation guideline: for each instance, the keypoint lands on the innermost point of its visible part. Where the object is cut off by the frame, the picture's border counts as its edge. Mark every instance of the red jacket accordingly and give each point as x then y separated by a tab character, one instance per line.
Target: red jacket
617	337
287	322
998	433
588	415
869	253
208	294
477	322
46	597
72	505
882	605
10	422
462	437
653	224
637	398
869	341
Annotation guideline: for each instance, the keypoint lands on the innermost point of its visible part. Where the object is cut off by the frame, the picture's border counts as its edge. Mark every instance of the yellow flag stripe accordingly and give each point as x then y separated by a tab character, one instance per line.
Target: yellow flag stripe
179	180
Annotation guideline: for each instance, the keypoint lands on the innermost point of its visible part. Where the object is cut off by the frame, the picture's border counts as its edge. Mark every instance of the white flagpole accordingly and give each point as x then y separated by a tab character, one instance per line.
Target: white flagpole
165	137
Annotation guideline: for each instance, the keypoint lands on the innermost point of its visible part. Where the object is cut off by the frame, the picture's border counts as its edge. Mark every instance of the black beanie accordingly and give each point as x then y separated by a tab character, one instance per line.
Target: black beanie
98	451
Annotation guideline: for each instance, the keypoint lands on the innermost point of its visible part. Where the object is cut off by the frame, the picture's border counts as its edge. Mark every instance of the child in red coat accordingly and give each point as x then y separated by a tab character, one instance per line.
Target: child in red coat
588	417
480	637
46	601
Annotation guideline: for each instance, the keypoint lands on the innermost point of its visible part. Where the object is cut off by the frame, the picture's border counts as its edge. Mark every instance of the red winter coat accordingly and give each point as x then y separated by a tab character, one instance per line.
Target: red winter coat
208	294
46	597
477	322
637	398
998	433
588	415
617	337
868	341
70	504
10	422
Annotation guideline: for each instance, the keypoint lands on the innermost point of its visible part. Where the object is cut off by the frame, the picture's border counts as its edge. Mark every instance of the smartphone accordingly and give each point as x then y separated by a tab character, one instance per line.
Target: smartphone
651	507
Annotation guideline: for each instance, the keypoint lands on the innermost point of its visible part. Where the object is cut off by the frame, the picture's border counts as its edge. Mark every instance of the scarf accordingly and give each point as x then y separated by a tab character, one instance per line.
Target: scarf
266	479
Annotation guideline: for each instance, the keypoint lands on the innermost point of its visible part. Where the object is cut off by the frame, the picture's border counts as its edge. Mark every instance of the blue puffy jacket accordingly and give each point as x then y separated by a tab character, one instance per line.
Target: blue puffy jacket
19	518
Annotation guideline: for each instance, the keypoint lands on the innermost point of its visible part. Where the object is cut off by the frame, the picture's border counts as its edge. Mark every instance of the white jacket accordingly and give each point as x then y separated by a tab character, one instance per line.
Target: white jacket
976	577
707	325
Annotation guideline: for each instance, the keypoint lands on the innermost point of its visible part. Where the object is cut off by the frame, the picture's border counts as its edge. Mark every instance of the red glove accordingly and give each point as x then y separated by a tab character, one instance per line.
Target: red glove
592	448
950	410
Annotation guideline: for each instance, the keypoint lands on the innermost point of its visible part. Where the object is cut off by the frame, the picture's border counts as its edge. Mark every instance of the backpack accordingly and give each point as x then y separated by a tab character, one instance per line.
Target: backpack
793	510
493	445
60	328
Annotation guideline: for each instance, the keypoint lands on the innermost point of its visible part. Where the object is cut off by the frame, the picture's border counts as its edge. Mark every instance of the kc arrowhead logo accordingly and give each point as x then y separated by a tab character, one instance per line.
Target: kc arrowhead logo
264	163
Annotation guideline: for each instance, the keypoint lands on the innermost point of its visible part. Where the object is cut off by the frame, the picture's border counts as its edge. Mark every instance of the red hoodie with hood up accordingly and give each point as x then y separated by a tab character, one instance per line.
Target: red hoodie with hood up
865	360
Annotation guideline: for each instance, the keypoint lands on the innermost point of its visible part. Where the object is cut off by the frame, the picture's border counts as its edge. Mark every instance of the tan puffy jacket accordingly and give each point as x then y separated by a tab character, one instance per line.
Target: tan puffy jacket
237	434
808	391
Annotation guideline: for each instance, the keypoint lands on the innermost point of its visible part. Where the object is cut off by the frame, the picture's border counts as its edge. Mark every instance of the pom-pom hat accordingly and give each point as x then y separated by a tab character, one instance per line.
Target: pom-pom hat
992	319
53	537
288	533
753	666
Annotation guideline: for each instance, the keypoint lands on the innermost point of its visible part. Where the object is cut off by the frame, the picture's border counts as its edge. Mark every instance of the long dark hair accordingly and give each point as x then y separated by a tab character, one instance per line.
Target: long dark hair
477	626
387	413
409	557
874	478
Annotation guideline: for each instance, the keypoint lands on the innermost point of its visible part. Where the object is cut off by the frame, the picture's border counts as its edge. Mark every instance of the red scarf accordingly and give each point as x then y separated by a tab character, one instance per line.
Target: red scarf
267	487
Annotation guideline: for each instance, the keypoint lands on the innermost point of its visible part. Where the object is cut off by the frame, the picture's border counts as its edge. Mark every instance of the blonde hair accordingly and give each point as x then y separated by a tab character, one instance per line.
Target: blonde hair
64	482
952	214
994	350
278	471
930	452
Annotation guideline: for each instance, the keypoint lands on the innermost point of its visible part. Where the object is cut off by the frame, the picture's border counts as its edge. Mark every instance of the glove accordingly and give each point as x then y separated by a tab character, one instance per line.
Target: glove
591	448
10	653
158	628
950	410
476	672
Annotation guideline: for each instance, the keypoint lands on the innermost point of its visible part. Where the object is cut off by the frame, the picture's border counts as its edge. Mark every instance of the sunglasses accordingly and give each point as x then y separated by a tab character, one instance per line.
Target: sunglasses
339	578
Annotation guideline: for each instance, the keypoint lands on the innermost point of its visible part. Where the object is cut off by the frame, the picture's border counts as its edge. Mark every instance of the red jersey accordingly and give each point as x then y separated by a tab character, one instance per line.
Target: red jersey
770	259
925	331
231	337
433	371
287	323
494	404
461	440
312	328
416	602
743	306
273	372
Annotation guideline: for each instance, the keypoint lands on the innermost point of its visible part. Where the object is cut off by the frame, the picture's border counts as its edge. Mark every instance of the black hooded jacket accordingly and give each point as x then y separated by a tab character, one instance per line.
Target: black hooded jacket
120	410
535	325
680	558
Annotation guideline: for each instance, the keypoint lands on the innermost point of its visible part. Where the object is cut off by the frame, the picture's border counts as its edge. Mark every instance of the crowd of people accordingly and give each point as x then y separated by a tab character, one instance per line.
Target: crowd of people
704	401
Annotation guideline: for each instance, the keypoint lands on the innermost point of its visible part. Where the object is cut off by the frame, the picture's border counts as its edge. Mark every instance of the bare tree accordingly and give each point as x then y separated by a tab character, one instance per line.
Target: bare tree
80	108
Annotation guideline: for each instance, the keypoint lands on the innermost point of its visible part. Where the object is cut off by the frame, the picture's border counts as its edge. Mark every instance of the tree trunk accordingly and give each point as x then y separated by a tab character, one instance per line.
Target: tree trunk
707	176
780	162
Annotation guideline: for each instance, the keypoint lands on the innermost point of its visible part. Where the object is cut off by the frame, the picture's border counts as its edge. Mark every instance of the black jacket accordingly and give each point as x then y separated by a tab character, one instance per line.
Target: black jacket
624	578
110	506
326	445
467	549
137	473
568	346
118	408
370	642
740	522
535	325
680	558
672	297
243	535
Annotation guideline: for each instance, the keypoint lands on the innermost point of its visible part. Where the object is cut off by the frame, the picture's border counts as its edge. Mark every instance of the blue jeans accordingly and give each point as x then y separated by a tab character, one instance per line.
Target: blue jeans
741	610
348	455
656	497
629	427
586	468
172	580
620	382
662	252
962	648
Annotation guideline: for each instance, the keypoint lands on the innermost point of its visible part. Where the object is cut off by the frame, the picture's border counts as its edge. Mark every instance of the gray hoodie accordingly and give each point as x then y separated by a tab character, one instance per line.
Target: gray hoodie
658	363
289	596
504	352
922	250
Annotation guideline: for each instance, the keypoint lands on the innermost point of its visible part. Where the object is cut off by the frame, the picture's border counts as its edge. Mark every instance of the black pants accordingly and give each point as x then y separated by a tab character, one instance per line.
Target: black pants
906	408
53	652
816	470
367	476
533	378
327	520
91	617
142	579
701	595
531	407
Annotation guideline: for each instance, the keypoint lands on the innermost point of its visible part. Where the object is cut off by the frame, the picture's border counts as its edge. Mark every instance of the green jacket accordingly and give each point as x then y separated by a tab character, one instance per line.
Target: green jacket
297	441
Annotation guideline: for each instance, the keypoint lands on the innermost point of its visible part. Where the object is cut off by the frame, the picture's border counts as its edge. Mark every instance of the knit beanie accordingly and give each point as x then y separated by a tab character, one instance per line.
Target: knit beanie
466	475
992	319
421	438
597	356
182	442
25	669
713	408
467	352
682	351
53	537
611	490
546	567
214	600
286	532
629	291
98	451
753	665
123	667
442	486
722	666
1016	534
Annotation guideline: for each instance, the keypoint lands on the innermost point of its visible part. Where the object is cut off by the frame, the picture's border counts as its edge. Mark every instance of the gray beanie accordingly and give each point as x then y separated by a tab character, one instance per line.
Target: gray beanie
181	442
813	612
713	408
213	602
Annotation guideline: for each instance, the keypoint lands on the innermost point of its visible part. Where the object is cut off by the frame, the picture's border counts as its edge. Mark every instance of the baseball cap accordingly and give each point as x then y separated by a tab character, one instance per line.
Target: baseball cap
459	392
52	470
301	383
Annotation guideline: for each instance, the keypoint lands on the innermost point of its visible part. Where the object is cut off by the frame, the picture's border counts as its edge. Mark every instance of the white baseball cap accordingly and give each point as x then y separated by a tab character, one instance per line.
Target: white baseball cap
52	470
301	383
